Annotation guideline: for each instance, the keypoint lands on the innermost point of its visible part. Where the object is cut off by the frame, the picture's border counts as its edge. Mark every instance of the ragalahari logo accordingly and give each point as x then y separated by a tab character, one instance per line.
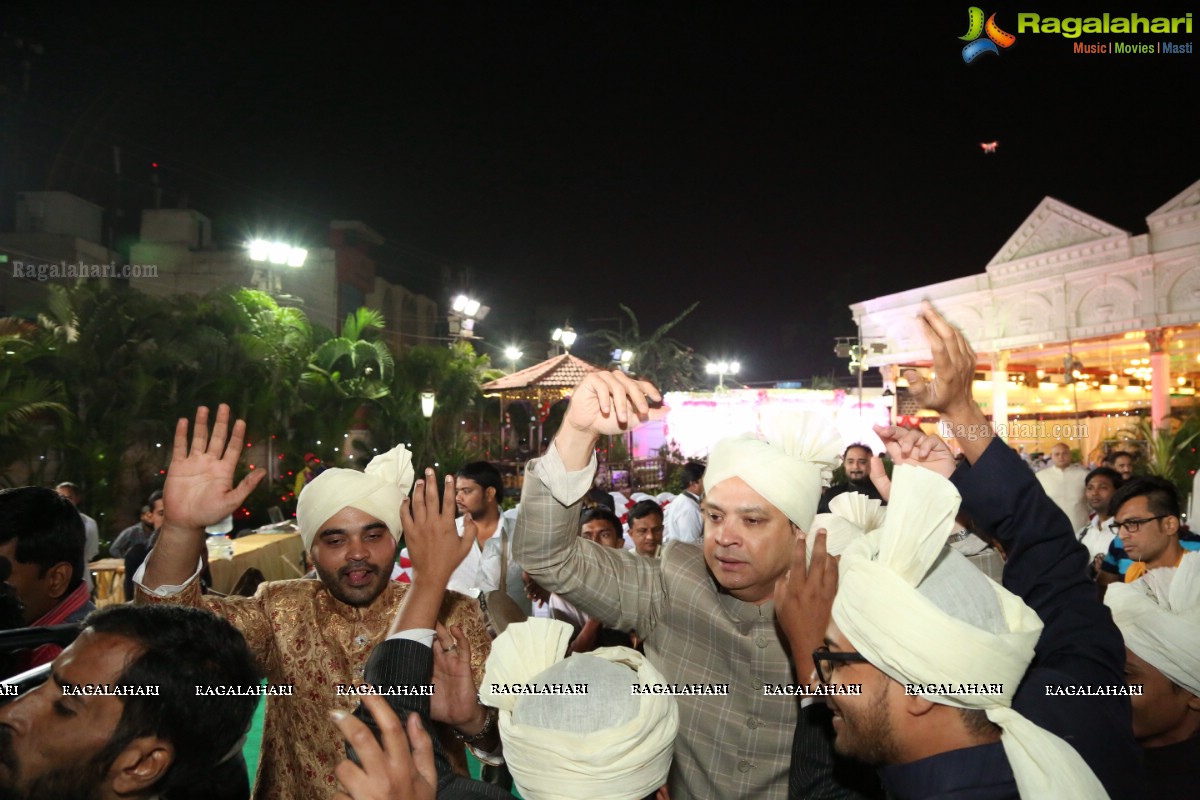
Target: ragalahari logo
976	27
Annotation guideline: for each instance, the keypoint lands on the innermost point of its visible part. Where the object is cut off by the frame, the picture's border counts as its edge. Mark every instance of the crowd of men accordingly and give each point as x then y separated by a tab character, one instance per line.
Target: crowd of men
764	635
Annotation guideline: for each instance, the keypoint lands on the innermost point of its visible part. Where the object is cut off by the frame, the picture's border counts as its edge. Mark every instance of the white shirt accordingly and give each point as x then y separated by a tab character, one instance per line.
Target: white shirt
1096	536
466	576
1065	488
682	520
487	576
563	611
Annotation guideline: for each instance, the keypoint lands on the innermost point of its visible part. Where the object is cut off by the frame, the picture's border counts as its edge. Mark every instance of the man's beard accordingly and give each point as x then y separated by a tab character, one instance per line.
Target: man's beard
72	782
867	734
357	596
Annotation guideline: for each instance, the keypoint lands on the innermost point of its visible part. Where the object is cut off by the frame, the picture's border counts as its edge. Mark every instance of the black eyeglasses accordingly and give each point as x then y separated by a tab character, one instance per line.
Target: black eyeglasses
827	661
1132	525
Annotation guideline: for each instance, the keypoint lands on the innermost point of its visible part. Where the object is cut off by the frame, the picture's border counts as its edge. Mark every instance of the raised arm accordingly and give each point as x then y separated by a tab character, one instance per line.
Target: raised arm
435	548
199	491
617	587
1045	565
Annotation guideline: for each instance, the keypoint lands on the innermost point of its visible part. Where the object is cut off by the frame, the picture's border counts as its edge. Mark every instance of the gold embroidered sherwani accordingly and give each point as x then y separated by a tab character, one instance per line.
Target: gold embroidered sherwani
305	638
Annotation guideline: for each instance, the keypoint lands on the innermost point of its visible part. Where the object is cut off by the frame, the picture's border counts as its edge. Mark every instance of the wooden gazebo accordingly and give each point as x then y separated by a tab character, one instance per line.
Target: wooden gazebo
543	385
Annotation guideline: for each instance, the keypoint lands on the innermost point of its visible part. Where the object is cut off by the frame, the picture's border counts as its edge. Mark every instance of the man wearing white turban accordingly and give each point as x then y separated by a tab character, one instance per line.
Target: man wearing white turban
312	635
706	615
1015	689
1159	616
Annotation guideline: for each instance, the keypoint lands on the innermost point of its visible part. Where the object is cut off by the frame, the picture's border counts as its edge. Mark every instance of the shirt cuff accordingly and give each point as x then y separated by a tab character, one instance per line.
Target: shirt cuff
422	635
167	589
566	487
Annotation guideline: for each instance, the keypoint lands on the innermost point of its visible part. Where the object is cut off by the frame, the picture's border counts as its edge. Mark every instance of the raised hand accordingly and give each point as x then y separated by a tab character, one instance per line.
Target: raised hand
401	769
911	446
455	698
804	601
199	489
954	362
432	537
608	402
602	403
949	393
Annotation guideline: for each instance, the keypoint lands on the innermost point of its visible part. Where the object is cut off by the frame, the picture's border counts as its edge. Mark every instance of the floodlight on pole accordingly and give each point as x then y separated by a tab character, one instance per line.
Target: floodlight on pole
564	336
273	254
464	313
721	369
513	355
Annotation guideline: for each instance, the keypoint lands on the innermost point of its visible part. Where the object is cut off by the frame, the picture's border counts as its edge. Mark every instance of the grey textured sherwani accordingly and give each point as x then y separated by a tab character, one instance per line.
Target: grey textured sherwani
735	746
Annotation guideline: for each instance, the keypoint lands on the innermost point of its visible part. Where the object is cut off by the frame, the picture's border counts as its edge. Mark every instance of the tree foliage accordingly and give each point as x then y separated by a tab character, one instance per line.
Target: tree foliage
91	390
663	360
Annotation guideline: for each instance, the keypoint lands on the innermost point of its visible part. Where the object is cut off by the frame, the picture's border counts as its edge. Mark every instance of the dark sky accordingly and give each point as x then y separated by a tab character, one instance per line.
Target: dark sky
776	162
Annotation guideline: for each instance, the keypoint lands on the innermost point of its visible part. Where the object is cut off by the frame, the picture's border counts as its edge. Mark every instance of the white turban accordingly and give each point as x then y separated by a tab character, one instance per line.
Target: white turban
378	490
607	743
922	614
789	468
1159	616
851	515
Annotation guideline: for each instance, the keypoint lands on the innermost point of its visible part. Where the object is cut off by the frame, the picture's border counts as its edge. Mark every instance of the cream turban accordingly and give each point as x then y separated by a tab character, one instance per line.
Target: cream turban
851	515
922	614
1159	616
606	743
378	491
789	468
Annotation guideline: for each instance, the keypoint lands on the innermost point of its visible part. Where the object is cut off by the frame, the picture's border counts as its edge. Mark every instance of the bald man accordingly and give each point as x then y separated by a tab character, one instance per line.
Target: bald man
1064	484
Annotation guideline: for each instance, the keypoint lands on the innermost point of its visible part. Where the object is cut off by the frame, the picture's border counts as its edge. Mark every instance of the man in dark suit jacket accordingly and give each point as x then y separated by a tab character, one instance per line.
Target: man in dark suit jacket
1078	647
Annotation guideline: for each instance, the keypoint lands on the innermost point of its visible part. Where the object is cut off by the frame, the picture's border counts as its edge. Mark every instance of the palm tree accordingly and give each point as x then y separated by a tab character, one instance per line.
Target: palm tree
664	361
1166	447
346	375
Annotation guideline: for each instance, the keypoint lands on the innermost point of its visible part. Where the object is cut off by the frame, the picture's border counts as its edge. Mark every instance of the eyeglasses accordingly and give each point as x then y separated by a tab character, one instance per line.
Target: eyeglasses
827	661
1132	525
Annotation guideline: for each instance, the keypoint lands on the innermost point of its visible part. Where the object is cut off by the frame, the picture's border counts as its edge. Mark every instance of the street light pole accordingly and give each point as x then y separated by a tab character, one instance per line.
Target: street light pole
721	369
564	337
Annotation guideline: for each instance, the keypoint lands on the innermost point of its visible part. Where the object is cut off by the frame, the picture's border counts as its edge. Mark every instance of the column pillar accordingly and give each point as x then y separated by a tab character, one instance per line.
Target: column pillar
1000	393
1160	376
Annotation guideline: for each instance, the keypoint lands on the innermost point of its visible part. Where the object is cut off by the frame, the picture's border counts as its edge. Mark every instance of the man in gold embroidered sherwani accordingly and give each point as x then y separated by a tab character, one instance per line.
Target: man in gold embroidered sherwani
314	635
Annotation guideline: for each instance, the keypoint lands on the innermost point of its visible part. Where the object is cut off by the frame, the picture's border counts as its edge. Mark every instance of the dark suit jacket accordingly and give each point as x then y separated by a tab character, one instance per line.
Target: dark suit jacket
863	487
402	662
1080	645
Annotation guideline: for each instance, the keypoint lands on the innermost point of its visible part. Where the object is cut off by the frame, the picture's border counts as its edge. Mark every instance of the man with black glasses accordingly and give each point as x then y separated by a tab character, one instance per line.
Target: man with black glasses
1148	528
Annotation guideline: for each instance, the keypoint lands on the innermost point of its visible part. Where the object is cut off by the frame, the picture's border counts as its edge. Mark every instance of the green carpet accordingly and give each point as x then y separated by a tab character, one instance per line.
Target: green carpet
254	739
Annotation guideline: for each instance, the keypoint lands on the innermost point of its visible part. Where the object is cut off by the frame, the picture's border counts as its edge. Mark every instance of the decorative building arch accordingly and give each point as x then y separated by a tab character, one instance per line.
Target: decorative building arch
1114	300
1031	314
968	320
1185	292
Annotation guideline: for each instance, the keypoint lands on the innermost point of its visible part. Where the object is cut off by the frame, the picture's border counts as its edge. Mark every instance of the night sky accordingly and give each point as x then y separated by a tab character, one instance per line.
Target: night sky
558	159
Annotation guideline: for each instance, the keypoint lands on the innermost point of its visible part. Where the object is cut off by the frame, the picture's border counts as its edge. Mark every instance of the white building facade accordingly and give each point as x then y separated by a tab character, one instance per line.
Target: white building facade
1077	324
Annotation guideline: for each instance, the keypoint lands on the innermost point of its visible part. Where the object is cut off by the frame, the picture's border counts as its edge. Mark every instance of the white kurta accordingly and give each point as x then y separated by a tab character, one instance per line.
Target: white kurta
1065	488
682	520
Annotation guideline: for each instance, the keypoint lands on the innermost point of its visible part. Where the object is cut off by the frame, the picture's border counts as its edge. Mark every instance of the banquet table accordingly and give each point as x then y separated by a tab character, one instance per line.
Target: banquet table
276	555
